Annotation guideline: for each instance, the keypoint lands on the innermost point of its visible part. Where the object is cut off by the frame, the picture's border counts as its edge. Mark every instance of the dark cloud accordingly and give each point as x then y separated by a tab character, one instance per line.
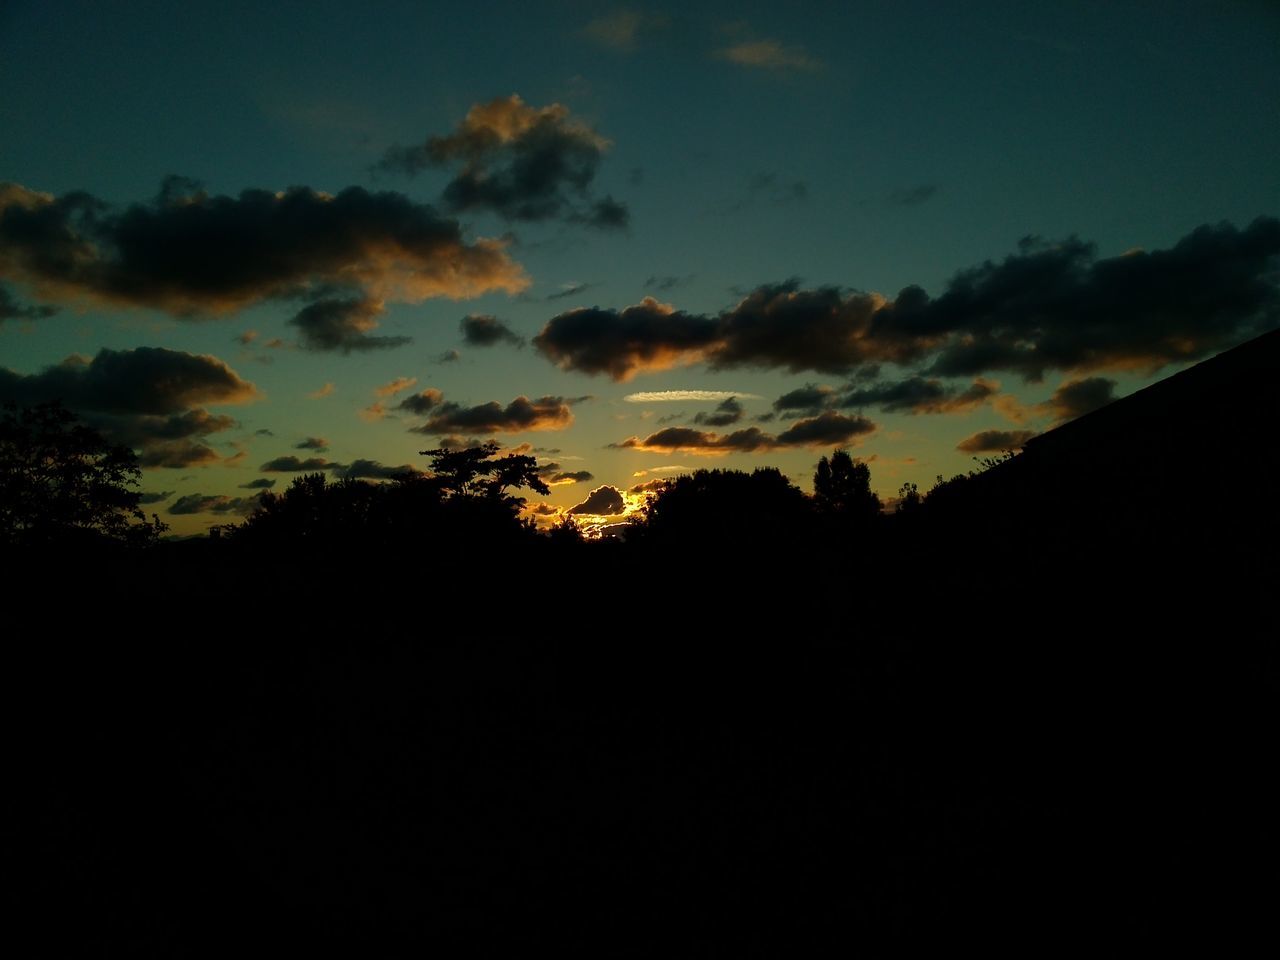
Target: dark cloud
1055	306
292	464
920	395
456	442
995	441
544	510
769	188
318	444
262	483
648	486
687	439
343	324
647	336
161	497
574	476
141	398
190	254
173	441
12	309
728	412
449	356
570	290
809	397
147	380
603	501
373	470
521	414
521	162
1078	397
1050	306
780	325
214	503
828	429
913	196
481	330
422	403
668	282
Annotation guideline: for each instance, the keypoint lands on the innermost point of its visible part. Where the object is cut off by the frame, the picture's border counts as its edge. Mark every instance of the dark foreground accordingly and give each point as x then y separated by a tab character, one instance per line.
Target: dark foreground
630	756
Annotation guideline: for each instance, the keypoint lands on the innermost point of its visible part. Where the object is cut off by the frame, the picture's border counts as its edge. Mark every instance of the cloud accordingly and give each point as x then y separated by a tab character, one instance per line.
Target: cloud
809	397
570	290
145	380
12	309
544	510
553	473
176	440
422	403
394	386
143	398
1050	306
292	464
603	501
521	162
920	395
995	441
373	470
647	487
623	29
521	414
159	497
827	429
669	281
728	412
647	336
193	255
482	330
343	324
214	503
246	338
261	483
685	396
449	356
318	444
769	55
1078	397
913	196
323	392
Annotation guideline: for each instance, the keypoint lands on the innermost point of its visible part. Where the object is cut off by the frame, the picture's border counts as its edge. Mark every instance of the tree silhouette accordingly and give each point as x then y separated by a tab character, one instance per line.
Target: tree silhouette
61	480
479	472
726	507
842	489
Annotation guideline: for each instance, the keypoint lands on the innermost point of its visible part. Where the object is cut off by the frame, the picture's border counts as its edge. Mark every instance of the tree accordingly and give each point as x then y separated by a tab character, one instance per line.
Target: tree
842	488
61	480
479	472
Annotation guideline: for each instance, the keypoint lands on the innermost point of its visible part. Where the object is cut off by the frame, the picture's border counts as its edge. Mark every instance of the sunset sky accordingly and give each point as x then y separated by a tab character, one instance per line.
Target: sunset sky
251	239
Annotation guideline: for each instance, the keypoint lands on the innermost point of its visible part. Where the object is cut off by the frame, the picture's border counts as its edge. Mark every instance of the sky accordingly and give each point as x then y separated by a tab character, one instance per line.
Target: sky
254	240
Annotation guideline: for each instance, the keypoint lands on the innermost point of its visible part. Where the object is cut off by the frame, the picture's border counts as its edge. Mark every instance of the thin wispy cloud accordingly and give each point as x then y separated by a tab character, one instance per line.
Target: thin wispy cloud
710	396
770	55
